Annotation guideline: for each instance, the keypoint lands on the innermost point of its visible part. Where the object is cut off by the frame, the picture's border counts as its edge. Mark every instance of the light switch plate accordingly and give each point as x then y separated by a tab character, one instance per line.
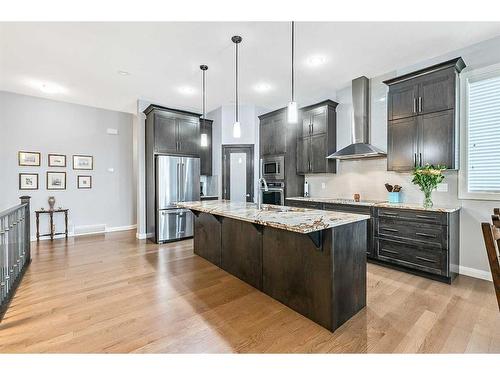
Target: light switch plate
112	131
443	187
111	170
323	185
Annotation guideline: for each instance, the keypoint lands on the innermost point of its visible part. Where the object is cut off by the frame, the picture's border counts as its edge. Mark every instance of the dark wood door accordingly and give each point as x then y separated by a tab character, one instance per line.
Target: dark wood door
206	151
279	134
402	144
266	136
436	91
306	124
227	162
189	136
436	139
319	120
303	155
402	100
319	145
165	134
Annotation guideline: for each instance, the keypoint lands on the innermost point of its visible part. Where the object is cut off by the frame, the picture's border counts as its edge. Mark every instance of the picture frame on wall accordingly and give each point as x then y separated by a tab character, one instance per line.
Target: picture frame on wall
84	182
28	181
56	180
57	160
28	159
83	162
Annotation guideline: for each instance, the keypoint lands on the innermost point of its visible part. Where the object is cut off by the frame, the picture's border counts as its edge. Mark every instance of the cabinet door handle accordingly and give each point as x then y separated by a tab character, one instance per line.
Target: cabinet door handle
420	159
415	159
390	251
414	105
390	229
424	217
425	235
420	104
425	259
388	214
312	128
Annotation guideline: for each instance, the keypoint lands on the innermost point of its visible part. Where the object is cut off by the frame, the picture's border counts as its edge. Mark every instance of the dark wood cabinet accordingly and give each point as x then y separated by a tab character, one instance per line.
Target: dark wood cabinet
422	110
402	144
318	130
174	132
423	242
273	134
206	151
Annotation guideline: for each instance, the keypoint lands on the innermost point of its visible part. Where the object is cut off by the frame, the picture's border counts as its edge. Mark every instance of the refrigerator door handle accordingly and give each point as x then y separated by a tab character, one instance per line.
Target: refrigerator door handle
183	182
178	178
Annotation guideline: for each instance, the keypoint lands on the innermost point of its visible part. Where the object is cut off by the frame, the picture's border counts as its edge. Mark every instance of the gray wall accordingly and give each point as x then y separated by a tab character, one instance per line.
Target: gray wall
367	177
34	124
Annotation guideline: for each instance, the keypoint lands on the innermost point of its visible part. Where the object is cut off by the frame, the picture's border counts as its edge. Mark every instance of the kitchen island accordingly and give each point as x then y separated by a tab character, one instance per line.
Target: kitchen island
312	261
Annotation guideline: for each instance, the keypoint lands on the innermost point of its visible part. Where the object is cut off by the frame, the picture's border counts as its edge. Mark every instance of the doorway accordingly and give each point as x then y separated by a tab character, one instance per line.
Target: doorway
237	173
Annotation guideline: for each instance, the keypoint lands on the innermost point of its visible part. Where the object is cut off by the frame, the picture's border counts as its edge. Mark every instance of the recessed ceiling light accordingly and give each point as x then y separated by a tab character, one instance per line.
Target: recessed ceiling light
123	73
186	90
46	87
316	60
262	87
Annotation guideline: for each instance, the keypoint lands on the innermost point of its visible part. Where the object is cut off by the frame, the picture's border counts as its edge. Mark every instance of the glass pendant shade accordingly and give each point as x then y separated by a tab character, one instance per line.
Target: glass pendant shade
204	140
293	113
237	130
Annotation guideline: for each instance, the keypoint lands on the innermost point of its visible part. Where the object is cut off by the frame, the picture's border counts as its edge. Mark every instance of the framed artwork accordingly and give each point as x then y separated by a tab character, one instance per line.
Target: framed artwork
28	159
83	162
57	160
56	180
84	182
28	181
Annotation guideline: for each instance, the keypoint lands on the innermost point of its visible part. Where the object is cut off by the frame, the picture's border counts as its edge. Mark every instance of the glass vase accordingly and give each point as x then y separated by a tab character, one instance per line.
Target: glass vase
428	198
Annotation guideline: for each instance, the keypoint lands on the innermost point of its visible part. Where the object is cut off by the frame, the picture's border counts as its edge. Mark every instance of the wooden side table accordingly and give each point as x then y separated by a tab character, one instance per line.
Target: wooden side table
51	218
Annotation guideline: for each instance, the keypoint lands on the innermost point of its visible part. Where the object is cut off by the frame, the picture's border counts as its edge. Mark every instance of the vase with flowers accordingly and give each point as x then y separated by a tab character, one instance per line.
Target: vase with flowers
427	179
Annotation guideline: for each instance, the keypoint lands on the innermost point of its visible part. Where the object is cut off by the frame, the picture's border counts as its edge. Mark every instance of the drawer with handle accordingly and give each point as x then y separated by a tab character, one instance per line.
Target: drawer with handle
352	208
413	215
432	234
414	256
304	204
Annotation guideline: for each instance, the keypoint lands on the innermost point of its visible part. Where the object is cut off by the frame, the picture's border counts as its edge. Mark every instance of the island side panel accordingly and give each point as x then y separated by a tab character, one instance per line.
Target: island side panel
298	274
348	251
242	251
207	237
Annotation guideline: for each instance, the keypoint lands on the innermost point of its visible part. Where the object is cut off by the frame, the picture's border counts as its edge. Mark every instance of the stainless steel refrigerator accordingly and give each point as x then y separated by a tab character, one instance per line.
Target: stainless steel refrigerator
177	180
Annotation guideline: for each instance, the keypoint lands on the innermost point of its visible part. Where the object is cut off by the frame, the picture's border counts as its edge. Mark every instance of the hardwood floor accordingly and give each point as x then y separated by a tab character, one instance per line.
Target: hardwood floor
116	294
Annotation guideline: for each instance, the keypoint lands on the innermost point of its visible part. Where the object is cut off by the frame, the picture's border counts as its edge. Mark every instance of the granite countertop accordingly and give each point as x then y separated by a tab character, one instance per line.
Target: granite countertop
300	220
385	204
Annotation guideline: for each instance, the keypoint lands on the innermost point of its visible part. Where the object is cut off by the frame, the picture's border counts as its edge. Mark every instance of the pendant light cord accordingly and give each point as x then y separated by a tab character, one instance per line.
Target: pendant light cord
293	58
204	105
237	117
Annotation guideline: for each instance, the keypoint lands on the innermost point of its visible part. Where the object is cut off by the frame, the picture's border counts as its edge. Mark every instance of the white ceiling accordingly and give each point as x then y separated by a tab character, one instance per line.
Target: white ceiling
84	58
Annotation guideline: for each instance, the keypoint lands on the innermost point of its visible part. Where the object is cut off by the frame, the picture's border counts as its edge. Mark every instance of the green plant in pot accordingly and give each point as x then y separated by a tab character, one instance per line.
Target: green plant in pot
427	179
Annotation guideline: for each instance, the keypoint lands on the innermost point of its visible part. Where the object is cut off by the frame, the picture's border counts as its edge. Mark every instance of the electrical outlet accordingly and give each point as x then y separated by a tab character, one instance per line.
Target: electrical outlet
323	185
443	187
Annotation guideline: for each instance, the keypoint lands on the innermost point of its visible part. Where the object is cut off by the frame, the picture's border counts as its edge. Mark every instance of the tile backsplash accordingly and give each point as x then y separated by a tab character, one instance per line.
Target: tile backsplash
368	176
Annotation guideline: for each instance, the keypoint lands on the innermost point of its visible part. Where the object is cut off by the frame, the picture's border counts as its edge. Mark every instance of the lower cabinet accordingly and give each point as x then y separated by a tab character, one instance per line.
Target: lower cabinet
425	242
207	237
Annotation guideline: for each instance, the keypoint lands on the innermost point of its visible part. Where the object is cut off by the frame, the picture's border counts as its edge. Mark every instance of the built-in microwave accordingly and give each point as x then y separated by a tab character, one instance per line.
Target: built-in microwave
273	168
275	193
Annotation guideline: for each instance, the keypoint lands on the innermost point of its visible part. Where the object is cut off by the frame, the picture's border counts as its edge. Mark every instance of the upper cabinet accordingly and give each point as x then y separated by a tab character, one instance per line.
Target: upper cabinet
173	131
273	133
422	113
317	138
206	151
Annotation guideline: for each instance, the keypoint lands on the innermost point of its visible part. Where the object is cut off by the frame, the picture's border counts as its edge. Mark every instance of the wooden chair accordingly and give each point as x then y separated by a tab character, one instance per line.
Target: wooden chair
491	236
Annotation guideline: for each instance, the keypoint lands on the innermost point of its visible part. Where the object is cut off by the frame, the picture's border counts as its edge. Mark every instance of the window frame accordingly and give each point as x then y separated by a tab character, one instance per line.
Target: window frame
463	175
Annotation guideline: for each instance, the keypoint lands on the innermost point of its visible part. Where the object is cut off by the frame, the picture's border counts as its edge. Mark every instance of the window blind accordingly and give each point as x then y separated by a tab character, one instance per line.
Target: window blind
484	135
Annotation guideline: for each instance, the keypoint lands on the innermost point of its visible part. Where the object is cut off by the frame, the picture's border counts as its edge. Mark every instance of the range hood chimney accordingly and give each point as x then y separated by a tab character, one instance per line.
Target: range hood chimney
360	146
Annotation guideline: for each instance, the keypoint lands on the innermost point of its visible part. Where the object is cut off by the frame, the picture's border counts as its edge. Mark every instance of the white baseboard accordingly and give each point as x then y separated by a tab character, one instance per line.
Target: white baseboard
107	230
141	236
478	274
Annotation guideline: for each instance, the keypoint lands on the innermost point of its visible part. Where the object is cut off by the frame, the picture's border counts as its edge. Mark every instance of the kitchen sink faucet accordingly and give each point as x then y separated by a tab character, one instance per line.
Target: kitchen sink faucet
259	197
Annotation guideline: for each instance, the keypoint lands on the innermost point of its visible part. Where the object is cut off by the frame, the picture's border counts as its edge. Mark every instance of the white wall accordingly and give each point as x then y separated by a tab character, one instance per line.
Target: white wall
47	126
367	177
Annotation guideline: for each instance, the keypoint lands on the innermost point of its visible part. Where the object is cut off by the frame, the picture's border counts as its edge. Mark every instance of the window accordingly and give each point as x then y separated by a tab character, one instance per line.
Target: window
480	170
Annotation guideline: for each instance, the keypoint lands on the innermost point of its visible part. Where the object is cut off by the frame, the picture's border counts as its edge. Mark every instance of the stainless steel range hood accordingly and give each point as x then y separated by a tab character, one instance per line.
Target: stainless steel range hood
360	147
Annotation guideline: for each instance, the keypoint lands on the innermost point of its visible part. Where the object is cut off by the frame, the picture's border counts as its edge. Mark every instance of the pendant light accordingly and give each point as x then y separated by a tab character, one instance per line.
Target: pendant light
236	127
292	106
204	136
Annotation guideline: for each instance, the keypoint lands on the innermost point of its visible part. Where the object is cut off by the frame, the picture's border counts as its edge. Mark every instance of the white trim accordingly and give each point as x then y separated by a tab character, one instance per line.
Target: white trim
481	73
107	230
473	272
141	236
